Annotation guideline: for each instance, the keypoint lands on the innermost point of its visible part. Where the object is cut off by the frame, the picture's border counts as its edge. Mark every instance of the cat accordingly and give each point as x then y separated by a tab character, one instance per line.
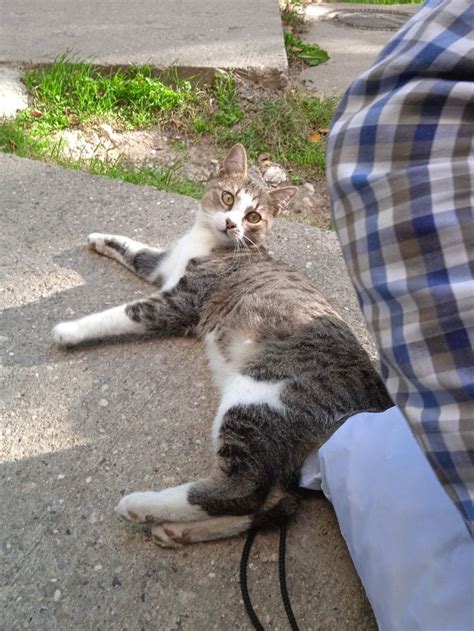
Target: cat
288	368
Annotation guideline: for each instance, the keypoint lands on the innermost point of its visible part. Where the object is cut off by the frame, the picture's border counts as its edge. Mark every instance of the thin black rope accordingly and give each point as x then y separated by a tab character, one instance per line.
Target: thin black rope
282	572
243	581
282	575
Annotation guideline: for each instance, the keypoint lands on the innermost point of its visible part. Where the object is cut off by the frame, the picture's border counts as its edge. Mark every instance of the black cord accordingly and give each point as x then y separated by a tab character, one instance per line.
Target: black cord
282	571
243	581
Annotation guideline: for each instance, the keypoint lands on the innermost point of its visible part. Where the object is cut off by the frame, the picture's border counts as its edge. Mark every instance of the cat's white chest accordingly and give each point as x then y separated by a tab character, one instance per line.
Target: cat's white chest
237	389
196	244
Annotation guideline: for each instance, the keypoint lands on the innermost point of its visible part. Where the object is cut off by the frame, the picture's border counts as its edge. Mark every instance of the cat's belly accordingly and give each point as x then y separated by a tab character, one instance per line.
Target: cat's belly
237	389
226	356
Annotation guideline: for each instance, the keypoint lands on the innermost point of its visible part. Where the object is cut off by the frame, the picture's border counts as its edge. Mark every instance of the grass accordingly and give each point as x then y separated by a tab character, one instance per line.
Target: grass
221	109
162	179
25	145
75	94
291	129
71	93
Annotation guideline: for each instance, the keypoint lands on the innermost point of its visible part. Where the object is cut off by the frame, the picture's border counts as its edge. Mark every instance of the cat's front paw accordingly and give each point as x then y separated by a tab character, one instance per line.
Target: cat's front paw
96	242
67	334
138	507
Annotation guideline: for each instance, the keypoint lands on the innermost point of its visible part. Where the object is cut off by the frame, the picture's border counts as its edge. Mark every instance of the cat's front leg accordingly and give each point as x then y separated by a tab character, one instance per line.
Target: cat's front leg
99	325
137	257
166	314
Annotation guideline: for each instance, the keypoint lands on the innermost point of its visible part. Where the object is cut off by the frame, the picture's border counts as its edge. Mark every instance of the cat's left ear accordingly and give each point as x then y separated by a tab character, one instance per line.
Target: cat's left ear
280	197
235	162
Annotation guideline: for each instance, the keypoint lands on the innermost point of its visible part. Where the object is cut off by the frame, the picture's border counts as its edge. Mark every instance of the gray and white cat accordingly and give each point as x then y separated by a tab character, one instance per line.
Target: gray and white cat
288	368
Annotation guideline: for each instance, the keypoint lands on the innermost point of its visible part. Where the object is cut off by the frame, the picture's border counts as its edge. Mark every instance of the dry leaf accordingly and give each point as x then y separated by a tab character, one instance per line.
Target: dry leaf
314	137
324	130
36	113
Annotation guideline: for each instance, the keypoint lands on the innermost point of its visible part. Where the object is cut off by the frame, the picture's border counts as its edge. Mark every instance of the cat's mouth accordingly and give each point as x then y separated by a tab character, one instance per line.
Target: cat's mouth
233	235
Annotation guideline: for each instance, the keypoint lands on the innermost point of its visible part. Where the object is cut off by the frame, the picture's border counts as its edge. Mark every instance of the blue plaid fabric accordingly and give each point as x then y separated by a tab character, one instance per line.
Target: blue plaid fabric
401	179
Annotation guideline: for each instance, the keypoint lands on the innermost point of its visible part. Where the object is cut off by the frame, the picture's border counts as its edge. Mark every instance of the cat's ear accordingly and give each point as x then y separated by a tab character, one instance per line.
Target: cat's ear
280	197
235	162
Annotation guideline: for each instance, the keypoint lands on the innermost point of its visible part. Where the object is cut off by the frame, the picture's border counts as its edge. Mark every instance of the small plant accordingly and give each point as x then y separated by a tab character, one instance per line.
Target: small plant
228	110
292	14
310	54
14	139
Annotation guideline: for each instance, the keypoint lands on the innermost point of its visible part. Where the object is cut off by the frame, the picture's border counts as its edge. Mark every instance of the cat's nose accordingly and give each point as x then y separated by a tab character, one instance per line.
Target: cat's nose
229	224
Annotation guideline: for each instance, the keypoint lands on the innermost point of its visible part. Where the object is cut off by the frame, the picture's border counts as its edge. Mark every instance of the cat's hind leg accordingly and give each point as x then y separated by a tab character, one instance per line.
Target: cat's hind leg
243	488
137	257
278	505
174	535
231	510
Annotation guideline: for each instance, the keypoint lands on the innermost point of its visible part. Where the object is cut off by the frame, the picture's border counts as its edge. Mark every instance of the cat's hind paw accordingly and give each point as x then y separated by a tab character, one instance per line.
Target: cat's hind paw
171	535
67	334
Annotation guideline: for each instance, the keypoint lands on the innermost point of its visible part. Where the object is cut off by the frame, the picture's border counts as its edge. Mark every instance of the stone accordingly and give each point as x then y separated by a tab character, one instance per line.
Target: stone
13	94
274	174
109	132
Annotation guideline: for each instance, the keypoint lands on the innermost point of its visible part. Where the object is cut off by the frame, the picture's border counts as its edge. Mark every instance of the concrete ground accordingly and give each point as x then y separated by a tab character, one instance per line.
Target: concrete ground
352	50
199	35
82	427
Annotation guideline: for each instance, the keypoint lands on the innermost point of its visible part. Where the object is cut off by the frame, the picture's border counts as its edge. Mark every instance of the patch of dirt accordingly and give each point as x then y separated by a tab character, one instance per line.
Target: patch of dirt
190	160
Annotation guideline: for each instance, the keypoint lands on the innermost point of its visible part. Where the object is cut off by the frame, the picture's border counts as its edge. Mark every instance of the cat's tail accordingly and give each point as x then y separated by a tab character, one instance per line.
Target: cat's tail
278	508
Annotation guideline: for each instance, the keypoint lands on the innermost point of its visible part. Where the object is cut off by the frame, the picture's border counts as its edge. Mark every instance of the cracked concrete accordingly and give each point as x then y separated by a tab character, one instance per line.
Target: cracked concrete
195	36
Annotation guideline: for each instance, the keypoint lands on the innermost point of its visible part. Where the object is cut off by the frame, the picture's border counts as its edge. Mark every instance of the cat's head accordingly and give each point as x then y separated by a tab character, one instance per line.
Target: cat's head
237	206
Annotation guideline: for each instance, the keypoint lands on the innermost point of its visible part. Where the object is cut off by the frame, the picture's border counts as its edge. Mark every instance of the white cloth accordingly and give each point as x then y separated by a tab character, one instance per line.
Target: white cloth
408	541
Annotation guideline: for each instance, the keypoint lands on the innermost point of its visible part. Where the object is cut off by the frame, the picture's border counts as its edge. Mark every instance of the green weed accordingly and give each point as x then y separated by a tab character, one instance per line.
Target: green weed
311	54
228	110
292	14
14	139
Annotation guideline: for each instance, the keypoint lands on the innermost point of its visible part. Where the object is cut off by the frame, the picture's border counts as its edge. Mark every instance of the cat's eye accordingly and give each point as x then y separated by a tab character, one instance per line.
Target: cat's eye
253	217
227	198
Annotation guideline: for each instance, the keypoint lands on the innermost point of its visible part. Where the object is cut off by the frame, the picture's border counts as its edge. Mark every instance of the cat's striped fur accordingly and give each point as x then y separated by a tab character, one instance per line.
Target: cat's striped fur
288	368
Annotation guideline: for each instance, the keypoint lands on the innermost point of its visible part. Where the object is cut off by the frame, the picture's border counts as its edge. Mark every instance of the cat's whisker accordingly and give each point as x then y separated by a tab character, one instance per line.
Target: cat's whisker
254	244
